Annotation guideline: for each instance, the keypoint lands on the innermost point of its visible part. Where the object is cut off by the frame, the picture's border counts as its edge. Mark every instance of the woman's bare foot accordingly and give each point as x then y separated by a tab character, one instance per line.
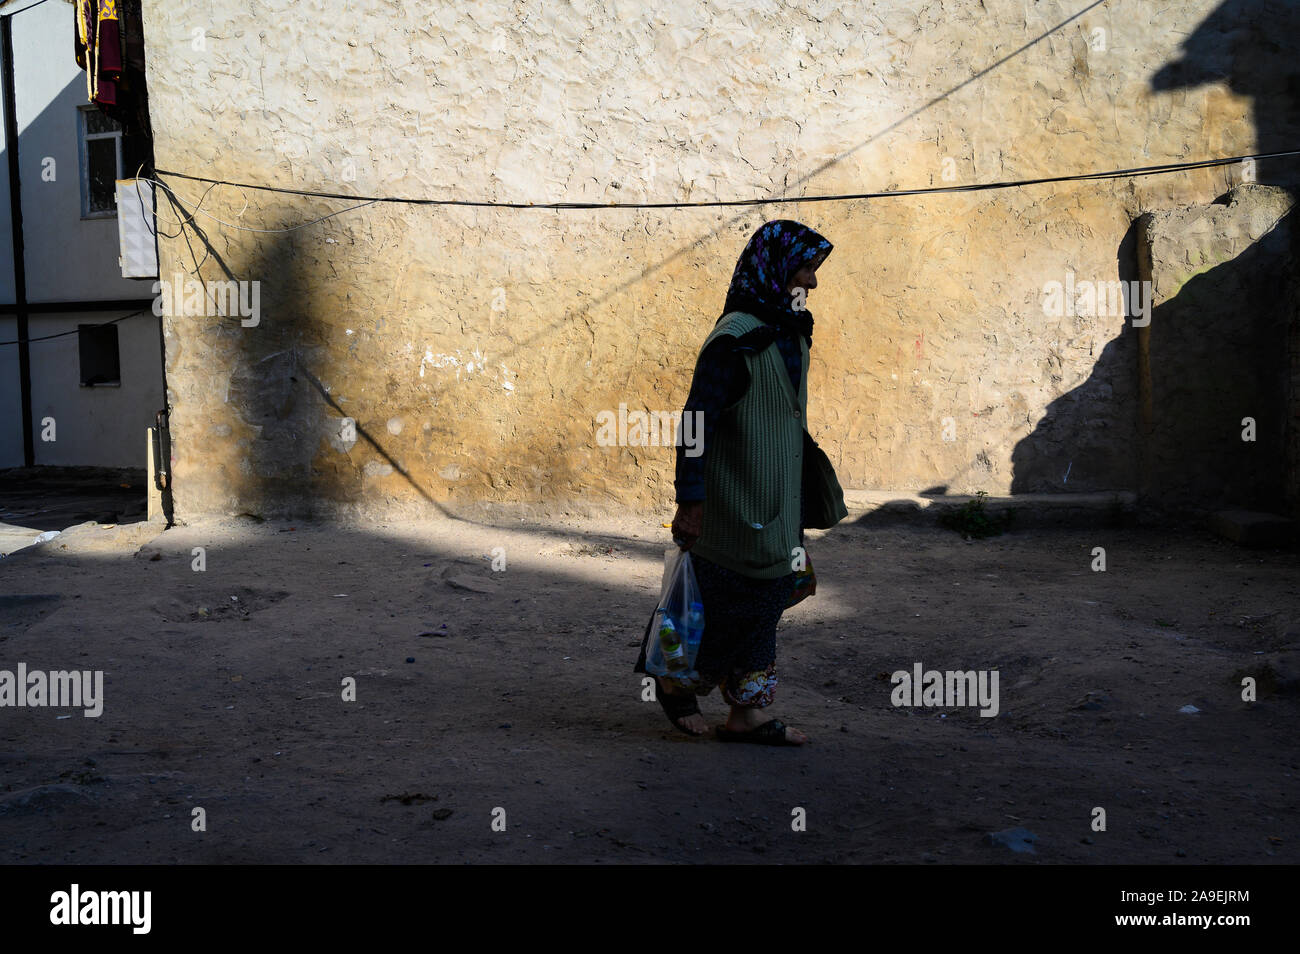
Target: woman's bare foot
694	723
748	718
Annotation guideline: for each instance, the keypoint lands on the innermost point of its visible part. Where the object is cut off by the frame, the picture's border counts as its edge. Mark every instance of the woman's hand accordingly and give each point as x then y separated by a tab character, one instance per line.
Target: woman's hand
688	523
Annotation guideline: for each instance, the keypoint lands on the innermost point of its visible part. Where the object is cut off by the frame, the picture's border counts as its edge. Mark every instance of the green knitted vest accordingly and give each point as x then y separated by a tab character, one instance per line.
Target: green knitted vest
753	470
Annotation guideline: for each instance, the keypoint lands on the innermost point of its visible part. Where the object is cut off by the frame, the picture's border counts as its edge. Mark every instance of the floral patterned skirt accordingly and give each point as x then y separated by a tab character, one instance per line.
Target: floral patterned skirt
738	650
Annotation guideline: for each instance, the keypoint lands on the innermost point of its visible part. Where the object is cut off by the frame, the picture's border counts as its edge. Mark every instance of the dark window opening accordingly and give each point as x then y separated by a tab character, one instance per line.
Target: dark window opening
101	162
97	347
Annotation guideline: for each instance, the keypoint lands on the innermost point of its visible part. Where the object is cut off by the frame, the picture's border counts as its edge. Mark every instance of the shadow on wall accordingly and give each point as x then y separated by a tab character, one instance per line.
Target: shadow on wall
282	404
1251	46
1214	358
1217	350
1093	429
308	418
275	422
318	414
284	376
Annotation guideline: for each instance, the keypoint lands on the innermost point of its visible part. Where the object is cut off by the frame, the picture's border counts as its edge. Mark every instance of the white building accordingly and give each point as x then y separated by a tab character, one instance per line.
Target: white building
92	391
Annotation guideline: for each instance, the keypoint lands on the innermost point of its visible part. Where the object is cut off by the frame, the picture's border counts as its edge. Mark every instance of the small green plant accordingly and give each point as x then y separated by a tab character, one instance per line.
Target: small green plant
971	519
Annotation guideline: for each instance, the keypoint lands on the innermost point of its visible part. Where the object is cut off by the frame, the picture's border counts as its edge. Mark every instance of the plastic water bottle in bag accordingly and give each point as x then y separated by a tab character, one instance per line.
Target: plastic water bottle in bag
671	645
678	623
694	630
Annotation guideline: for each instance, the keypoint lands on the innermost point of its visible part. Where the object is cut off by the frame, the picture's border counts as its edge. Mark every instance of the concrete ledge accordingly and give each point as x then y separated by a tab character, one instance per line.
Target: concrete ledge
1252	529
13	538
1112	507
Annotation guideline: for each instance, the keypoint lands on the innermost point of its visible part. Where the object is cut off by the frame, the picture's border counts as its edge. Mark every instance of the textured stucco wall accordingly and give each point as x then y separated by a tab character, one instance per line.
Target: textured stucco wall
1215	366
474	347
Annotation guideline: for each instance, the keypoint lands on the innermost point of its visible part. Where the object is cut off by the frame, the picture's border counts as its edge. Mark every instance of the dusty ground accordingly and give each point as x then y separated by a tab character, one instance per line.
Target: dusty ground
223	690
54	498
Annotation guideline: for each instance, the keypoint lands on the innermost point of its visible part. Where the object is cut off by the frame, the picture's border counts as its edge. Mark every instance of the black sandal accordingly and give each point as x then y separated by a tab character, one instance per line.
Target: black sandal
677	706
769	733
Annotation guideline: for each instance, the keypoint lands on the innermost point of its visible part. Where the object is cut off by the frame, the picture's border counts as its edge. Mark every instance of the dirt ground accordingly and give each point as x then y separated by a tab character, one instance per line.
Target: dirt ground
510	695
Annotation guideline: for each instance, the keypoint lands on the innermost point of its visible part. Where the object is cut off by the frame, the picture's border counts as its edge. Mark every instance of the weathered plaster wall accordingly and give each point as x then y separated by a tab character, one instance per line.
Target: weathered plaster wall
1214	360
474	347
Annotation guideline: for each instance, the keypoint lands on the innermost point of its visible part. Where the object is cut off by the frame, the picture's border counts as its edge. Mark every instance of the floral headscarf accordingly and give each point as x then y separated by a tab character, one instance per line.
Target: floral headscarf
773	254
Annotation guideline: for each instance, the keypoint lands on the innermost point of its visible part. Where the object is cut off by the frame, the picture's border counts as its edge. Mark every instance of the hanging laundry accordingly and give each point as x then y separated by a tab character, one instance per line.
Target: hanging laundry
99	49
108	43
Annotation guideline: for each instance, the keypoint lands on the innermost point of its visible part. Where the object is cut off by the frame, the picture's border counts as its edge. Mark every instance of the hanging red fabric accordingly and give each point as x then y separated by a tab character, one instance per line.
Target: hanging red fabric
98	46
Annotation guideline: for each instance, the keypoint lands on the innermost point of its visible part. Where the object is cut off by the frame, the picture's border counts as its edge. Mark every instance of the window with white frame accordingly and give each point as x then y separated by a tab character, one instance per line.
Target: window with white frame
100	143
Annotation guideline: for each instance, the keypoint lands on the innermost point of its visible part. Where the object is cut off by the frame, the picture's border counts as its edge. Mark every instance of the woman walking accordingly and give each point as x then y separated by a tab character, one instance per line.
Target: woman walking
740	502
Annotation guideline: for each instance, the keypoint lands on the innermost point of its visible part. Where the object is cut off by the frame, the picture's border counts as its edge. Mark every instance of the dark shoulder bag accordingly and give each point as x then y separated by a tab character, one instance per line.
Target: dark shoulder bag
823	496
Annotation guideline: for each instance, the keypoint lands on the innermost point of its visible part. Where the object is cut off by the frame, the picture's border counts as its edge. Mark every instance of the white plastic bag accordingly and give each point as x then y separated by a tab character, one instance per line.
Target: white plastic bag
679	627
